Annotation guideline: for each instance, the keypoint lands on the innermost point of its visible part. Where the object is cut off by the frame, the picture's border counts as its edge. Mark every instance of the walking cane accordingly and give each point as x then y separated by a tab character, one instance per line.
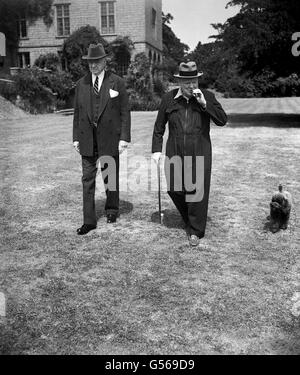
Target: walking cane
159	193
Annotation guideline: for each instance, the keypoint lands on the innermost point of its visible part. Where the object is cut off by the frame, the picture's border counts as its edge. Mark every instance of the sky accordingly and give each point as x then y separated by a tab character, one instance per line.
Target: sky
192	18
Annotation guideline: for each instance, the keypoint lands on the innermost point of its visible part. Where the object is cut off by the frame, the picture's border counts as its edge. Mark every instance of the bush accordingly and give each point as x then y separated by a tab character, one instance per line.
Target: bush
140	104
48	61
159	87
76	45
288	86
138	79
42	91
36	98
58	82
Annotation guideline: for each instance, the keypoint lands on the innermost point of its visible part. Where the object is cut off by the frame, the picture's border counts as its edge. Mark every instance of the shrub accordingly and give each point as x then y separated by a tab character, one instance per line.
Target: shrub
49	61
121	49
138	79
288	86
76	45
40	91
141	104
58	82
36	98
159	87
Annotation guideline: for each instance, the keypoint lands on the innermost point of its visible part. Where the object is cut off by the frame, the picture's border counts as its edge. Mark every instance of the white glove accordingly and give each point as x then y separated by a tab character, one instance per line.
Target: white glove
200	97
156	156
122	146
76	146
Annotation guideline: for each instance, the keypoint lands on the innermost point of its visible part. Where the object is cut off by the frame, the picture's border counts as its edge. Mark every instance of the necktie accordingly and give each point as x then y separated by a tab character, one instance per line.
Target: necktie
96	88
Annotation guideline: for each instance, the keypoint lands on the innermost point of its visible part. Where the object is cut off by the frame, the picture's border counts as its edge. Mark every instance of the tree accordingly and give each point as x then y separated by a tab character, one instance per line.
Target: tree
76	45
210	59
12	10
174	51
260	35
121	49
251	54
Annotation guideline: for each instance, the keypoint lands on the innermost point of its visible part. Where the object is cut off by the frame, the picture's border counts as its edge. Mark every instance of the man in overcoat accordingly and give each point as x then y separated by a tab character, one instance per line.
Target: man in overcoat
188	111
101	131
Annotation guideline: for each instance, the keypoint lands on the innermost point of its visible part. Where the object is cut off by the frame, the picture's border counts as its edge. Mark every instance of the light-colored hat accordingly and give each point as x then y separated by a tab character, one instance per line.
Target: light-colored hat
188	70
95	52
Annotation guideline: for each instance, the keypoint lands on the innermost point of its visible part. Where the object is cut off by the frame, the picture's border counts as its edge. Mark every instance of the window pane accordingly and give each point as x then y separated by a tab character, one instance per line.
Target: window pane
59	11
111	21
67	26
103	9
60	28
111	8
67	22
23	29
66	10
153	17
104	21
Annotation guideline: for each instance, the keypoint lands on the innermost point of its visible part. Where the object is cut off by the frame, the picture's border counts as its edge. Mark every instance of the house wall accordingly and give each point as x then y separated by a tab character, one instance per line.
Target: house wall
133	19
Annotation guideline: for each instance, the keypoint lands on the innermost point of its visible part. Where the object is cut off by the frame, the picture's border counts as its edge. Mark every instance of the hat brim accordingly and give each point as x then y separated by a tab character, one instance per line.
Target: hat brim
93	58
188	77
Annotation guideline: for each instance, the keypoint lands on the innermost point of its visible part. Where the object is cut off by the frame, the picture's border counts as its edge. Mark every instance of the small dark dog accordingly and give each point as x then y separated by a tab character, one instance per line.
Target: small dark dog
280	209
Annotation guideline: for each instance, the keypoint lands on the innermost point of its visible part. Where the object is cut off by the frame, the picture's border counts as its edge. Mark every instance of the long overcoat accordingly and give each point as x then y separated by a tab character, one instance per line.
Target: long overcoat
189	129
113	123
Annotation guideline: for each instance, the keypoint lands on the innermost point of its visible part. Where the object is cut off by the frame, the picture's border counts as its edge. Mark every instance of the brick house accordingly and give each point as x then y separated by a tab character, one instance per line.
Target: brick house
140	20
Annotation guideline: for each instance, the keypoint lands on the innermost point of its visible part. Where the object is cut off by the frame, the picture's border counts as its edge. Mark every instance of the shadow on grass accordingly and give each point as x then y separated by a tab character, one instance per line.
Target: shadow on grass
273	227
269	227
171	219
264	119
124	208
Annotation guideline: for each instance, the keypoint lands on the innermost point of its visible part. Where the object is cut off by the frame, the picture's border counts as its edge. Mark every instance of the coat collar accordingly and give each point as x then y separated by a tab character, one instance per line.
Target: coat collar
179	99
108	83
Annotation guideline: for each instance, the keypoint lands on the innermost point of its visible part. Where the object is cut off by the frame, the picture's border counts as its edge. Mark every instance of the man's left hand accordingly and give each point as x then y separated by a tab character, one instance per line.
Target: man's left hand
200	98
122	146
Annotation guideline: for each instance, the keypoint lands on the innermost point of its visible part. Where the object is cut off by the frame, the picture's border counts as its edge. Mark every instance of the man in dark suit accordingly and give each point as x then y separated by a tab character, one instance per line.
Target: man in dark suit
188	110
101	131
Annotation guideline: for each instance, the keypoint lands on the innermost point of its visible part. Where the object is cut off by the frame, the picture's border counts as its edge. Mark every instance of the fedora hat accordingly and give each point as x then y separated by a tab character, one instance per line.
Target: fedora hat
188	70
95	52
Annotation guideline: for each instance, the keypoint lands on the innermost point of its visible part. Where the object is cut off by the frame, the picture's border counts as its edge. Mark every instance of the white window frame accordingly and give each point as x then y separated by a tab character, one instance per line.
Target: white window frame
63	35
107	15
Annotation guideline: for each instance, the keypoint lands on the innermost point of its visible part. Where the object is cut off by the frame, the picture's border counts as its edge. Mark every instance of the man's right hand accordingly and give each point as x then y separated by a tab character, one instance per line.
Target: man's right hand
76	146
156	156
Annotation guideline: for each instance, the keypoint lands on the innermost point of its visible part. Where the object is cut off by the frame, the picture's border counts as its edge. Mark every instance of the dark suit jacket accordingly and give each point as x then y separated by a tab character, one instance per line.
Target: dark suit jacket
114	119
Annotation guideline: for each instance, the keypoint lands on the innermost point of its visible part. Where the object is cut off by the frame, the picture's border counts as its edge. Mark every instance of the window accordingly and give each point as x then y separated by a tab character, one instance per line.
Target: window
23	59
154	23
153	19
107	17
22	27
63	19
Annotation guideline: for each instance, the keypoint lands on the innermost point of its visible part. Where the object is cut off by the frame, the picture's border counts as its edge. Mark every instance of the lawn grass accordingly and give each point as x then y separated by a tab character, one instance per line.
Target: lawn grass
136	287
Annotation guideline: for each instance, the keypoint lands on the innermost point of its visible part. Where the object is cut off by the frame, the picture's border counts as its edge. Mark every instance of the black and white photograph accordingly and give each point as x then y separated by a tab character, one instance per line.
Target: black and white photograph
150	180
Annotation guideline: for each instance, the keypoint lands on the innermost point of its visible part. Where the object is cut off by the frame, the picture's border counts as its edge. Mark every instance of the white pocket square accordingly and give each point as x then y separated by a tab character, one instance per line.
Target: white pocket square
113	93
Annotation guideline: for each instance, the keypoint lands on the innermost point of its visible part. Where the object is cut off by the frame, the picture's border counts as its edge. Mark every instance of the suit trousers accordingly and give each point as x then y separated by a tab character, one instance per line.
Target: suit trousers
89	174
194	214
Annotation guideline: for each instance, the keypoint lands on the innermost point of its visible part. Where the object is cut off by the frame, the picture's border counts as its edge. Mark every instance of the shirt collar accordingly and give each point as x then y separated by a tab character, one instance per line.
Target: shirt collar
100	77
179	94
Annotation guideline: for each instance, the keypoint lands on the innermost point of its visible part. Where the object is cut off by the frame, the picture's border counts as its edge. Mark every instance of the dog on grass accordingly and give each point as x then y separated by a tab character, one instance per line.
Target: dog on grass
280	209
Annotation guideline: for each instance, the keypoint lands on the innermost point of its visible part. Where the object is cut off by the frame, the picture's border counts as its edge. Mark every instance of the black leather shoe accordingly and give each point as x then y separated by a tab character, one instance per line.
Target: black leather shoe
85	229
111	218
